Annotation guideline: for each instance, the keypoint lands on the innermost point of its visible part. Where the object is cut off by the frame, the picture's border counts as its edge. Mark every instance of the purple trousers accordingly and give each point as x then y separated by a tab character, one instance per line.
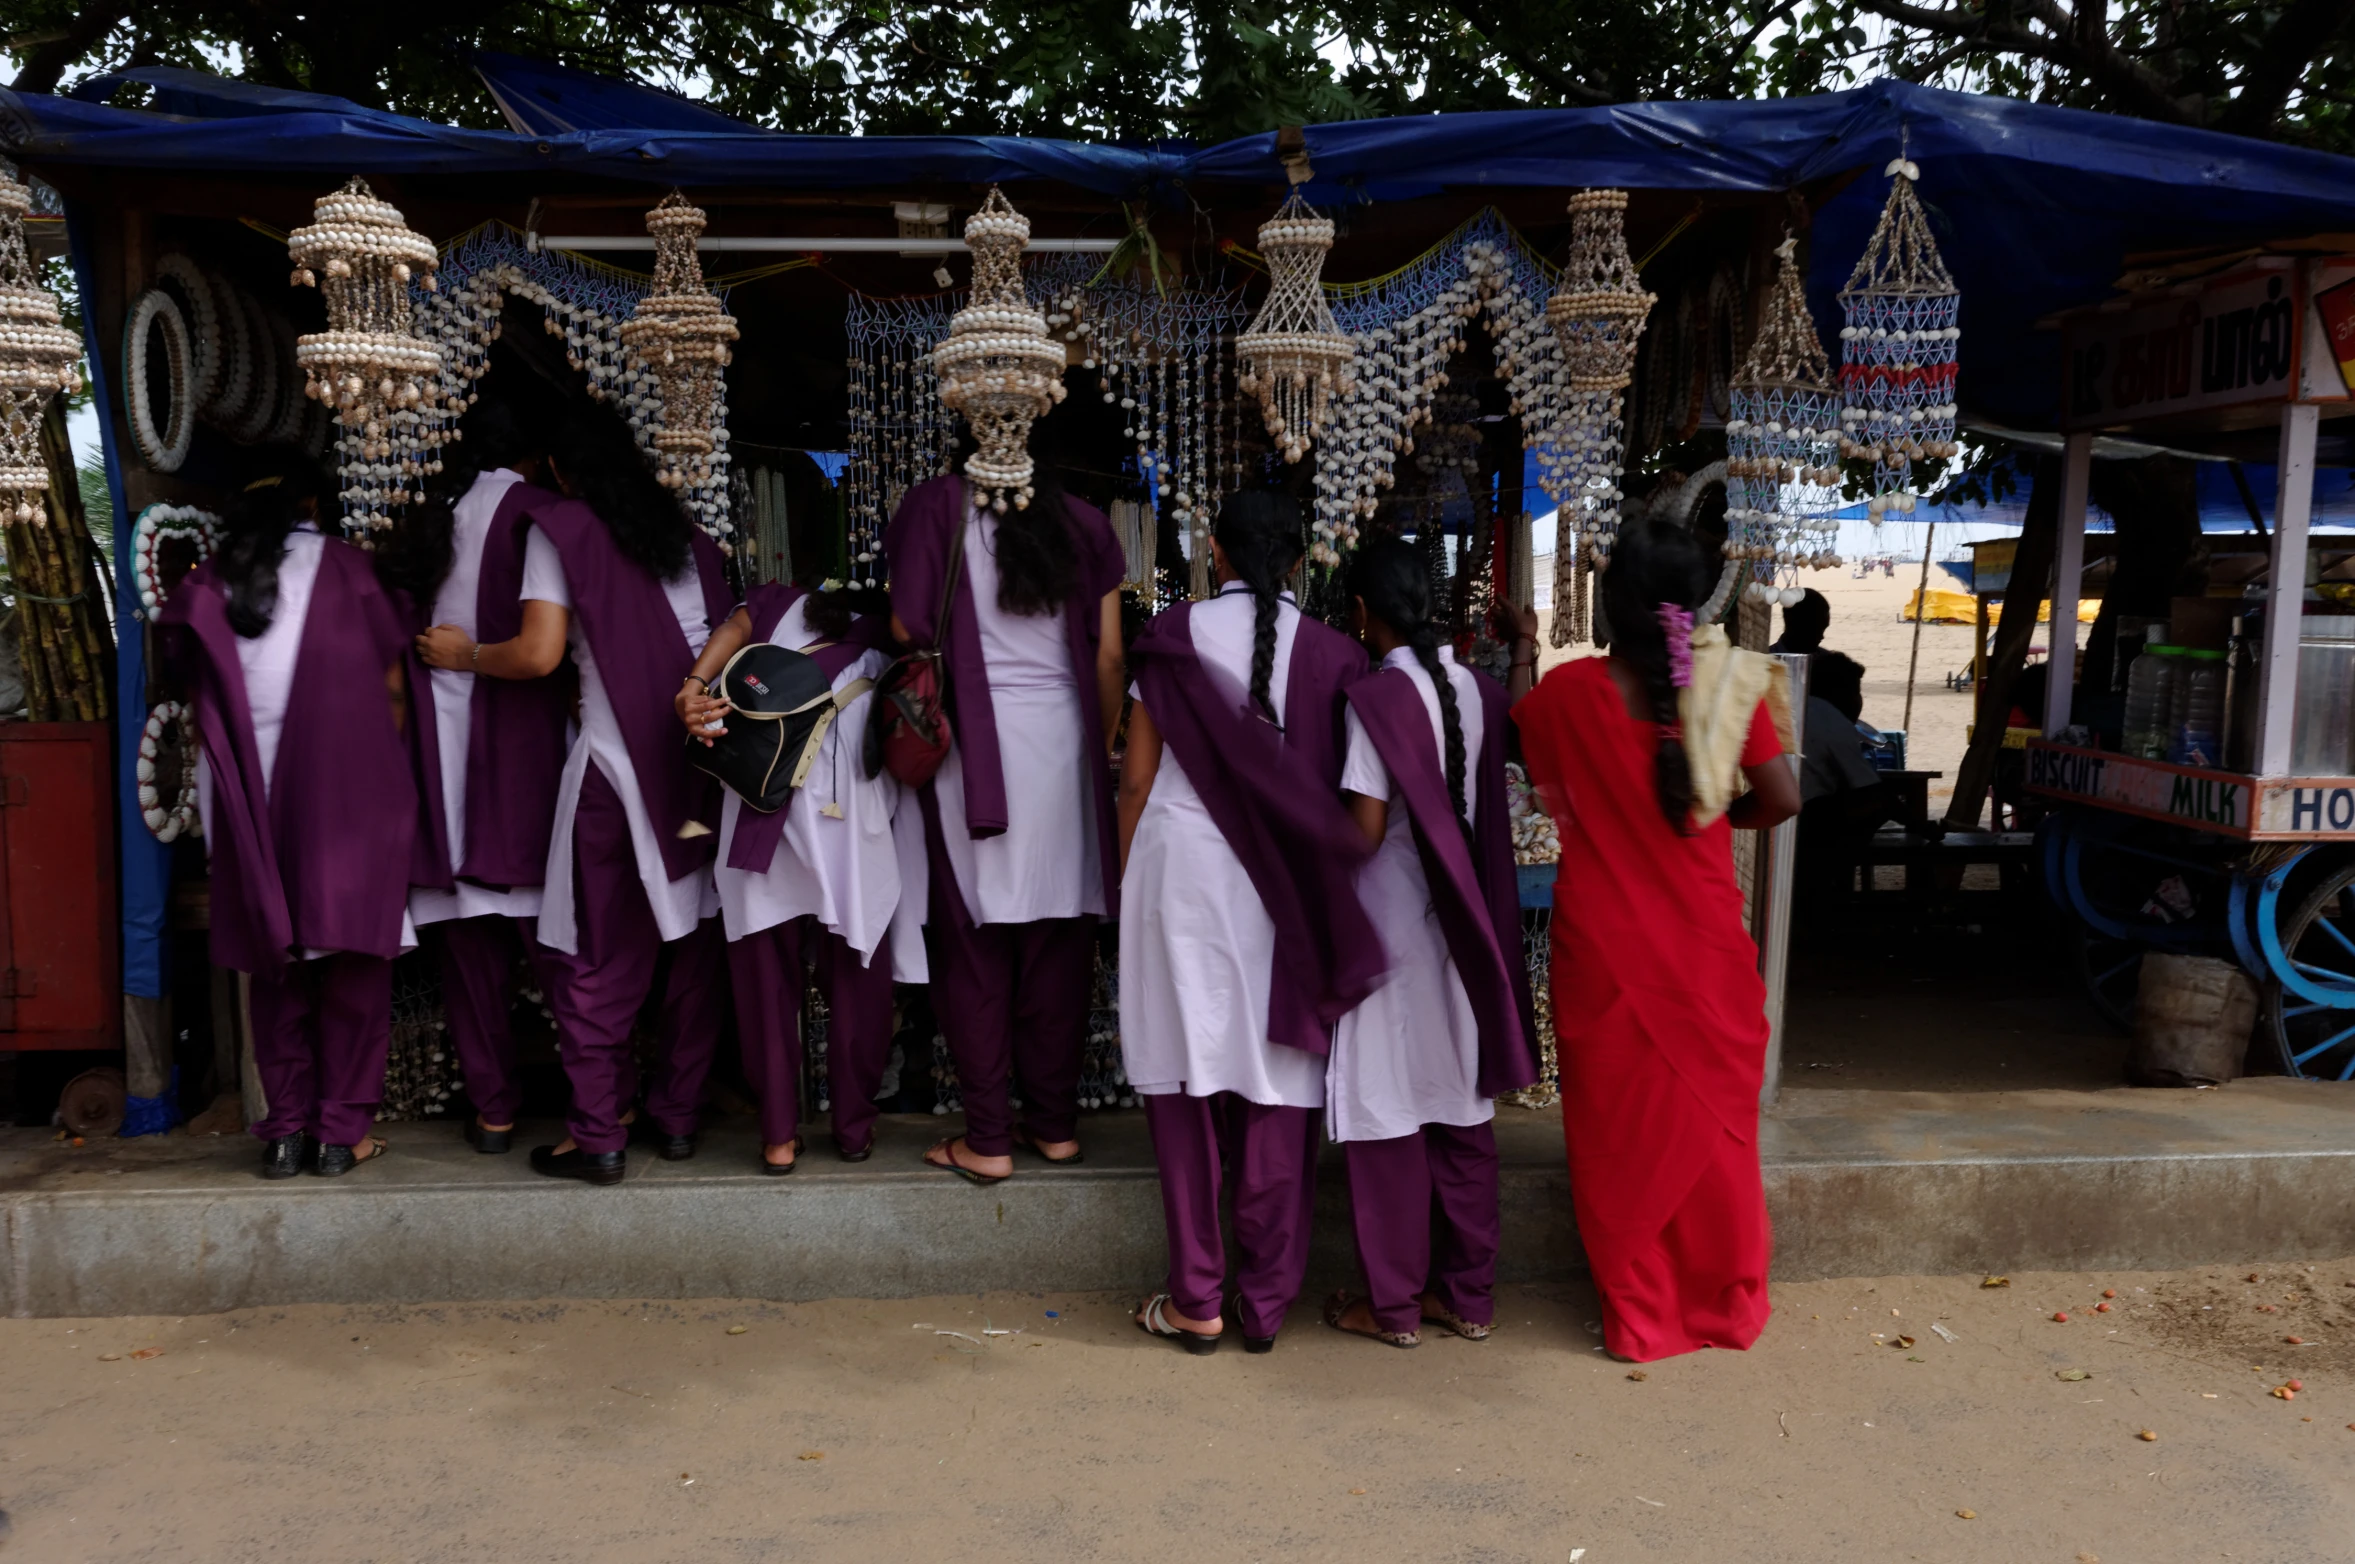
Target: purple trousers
1270	1155
476	959
597	993
1012	999
771	982
321	1031
1425	1209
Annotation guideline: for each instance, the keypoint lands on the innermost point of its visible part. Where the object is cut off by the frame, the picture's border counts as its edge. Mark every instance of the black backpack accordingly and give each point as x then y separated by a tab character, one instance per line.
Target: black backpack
783	704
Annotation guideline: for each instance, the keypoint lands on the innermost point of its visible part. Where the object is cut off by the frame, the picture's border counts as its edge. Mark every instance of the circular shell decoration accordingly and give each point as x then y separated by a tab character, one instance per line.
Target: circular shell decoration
155	317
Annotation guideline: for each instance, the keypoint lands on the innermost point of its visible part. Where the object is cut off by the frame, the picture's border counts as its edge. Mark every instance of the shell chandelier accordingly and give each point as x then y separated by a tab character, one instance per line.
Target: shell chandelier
369	365
38	359
1407	326
998	368
681	333
1897	349
1782	445
586	304
1293	357
1598	317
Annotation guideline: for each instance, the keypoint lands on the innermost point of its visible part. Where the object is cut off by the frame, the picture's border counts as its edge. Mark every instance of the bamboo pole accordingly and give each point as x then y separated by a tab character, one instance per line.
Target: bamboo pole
60	625
1921	597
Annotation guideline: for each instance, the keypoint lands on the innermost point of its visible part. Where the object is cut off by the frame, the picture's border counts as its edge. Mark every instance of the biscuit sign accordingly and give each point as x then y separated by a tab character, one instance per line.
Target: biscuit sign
2207	800
2235	341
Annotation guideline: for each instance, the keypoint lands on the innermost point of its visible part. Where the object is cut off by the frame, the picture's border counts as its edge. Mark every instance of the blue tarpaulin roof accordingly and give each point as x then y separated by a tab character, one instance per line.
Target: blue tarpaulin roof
2034	206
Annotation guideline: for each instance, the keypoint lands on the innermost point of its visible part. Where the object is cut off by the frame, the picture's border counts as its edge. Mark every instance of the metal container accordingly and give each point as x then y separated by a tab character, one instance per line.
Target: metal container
2322	729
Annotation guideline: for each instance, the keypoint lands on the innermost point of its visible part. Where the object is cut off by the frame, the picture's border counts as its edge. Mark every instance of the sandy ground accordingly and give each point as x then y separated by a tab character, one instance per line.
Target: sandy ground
862	1431
1866	625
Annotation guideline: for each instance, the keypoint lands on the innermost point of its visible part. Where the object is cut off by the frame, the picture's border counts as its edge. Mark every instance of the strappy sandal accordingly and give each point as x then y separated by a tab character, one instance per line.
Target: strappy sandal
1153	1320
1342	1302
1436	1313
948	1148
1030	1143
336	1161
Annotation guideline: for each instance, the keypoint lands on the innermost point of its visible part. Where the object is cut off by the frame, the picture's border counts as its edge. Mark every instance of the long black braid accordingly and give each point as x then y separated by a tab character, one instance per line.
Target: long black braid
1259	532
281	484
1653	566
1389	578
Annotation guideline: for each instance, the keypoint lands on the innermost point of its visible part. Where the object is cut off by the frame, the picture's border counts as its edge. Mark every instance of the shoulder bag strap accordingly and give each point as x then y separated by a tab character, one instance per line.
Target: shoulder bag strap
948	585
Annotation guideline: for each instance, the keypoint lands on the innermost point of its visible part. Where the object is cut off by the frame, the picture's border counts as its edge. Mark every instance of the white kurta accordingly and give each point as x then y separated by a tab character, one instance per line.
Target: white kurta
1410	1054
1045	863
453	711
1197	947
678	904
269	663
837	860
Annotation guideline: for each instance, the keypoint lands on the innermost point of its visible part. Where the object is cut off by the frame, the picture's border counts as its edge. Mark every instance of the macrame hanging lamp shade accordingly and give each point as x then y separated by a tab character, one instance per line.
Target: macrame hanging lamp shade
1782	448
382	380
38	359
1897	348
998	368
682	332
1293	357
1598	315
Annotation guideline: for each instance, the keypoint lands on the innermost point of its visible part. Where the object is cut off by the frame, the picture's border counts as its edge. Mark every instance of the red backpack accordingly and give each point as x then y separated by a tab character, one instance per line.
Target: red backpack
908	722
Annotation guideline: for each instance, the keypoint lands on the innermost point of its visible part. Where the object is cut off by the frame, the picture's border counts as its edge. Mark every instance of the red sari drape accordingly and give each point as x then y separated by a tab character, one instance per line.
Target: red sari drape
1659	1019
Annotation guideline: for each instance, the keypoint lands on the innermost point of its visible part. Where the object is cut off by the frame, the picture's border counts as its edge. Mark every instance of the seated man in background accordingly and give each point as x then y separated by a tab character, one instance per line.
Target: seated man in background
1843	799
1805	623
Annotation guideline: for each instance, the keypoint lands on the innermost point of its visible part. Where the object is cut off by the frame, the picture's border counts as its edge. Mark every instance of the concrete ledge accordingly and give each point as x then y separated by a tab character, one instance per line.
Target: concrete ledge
1859	1183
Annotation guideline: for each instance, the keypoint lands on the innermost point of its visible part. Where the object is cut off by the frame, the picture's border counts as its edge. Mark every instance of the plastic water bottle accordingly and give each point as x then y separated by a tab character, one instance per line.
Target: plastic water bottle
2147	700
2198	738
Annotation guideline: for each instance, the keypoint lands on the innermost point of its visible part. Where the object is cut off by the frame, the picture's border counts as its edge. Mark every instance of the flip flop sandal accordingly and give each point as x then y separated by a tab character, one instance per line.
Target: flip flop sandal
1155	1322
1341	1303
949	1148
1441	1314
1030	1143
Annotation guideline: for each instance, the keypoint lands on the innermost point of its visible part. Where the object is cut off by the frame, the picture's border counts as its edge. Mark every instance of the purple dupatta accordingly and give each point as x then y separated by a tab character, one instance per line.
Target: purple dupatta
319	858
1282	819
1477	899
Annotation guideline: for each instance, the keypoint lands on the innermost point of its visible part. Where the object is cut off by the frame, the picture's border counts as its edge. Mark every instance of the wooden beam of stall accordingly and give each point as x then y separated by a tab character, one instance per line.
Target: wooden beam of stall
2023	595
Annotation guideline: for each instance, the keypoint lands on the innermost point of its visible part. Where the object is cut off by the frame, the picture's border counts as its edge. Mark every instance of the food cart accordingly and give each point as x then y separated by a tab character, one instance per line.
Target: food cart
2255	861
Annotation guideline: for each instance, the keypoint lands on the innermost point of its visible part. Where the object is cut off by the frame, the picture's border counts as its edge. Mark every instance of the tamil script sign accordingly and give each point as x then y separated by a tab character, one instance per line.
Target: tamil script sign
2237	340
2206	800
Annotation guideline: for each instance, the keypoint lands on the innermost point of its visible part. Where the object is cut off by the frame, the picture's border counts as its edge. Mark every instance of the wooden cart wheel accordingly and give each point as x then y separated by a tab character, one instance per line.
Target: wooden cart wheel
2310	999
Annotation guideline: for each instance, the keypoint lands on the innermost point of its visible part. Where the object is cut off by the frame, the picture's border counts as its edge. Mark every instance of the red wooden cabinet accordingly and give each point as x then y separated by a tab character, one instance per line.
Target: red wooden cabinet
60	938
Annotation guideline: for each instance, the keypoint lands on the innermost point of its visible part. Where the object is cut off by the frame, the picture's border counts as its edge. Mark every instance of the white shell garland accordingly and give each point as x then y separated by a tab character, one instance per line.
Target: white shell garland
682	333
369	364
202	314
1293	357
156	313
1897	350
1783	447
38	359
155	524
1535	839
1598	317
998	367
168	822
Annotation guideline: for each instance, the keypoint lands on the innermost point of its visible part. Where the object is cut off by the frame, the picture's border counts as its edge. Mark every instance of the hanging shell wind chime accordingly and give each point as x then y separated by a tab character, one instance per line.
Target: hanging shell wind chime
1782	450
369	365
998	368
1598	317
38	359
1293	357
1897	350
682	333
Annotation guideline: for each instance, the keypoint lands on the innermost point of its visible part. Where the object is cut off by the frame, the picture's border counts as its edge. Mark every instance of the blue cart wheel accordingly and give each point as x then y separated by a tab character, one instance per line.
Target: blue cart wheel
2310	1002
2109	969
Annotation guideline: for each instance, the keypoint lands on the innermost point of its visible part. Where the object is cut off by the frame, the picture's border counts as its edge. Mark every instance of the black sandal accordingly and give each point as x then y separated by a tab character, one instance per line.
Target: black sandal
948	1148
1153	1320
780	1169
336	1161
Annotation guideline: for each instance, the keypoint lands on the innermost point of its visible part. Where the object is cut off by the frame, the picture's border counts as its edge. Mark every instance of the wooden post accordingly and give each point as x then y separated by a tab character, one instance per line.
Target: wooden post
2285	590
2022	595
2068	574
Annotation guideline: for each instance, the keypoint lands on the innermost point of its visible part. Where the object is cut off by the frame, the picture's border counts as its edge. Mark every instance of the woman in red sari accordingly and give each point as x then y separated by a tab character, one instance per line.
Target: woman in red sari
1659	1011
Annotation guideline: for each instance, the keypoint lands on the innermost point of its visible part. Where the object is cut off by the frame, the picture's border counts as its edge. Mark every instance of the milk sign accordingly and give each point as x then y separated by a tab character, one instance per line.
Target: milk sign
2236	340
2205	800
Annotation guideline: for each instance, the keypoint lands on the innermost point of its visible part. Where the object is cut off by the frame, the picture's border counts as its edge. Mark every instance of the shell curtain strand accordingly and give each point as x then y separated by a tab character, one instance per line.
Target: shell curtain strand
1782	470
38	359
